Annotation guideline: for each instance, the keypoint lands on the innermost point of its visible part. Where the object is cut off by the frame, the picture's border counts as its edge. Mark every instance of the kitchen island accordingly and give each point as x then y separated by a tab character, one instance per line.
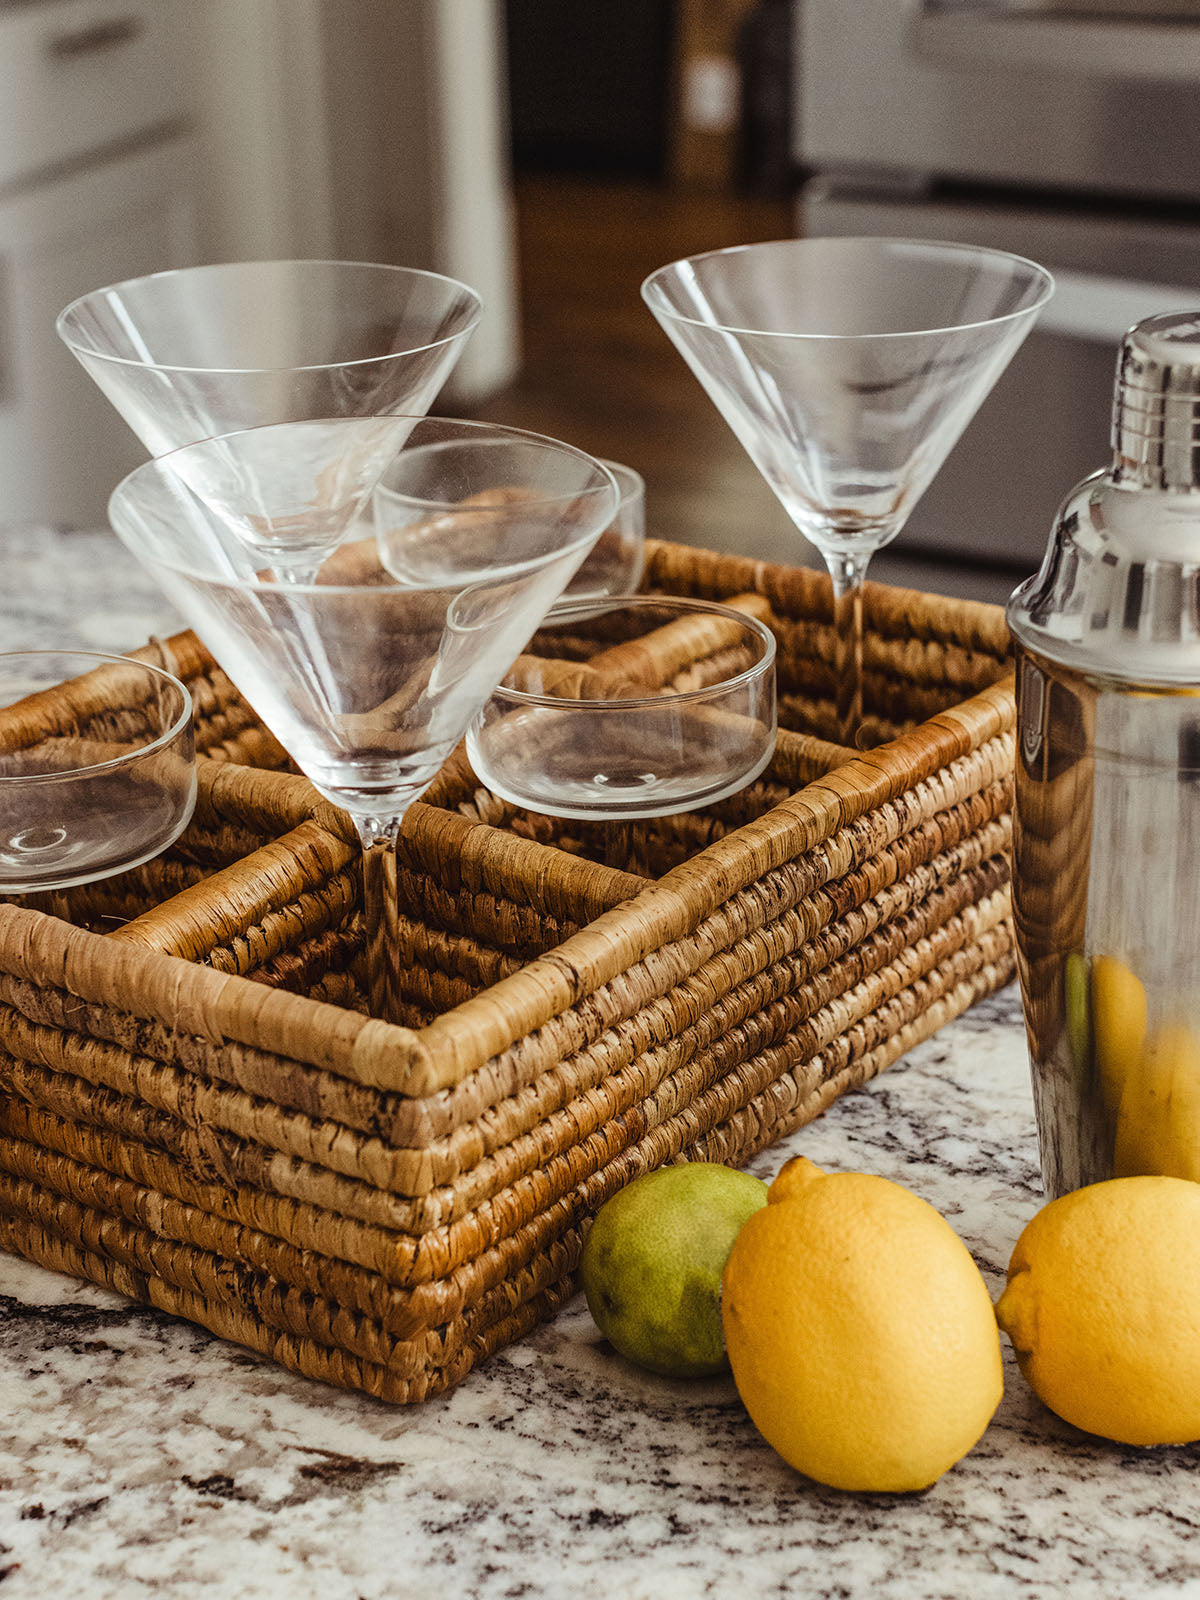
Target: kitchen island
142	1456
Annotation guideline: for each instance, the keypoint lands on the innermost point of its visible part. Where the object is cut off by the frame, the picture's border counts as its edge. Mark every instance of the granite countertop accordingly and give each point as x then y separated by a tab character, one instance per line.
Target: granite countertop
139	1455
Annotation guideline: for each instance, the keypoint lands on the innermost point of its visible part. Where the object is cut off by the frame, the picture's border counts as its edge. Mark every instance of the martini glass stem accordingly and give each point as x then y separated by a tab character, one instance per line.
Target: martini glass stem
377	836
848	569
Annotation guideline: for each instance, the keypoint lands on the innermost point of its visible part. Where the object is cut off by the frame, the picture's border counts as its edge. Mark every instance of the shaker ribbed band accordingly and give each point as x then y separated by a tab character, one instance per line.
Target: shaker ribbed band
1156	407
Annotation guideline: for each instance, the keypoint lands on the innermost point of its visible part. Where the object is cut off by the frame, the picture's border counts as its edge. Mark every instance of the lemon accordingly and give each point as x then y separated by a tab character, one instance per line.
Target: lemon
1118	1024
651	1265
860	1331
792	1179
1103	1308
1158	1120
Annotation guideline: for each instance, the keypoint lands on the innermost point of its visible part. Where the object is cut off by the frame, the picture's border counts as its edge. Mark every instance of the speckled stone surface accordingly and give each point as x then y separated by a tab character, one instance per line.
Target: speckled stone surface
141	1457
76	591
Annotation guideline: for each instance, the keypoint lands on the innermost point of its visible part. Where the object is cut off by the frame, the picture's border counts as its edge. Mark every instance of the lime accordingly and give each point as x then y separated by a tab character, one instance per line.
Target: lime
653	1260
1079	1011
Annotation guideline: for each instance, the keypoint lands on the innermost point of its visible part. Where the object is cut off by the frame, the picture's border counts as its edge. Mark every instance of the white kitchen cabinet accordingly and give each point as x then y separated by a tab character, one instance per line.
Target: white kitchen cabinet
79	76
62	447
98	182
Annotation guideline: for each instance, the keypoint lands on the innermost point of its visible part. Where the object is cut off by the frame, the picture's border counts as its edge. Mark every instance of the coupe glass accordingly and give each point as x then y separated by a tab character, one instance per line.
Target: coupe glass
97	770
369	674
192	354
848	368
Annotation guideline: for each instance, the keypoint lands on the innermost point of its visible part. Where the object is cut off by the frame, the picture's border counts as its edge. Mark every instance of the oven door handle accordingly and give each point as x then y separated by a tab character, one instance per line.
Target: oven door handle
1014	36
1086	305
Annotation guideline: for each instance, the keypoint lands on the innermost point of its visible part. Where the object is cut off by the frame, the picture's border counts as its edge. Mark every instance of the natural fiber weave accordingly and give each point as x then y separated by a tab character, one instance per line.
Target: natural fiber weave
382	1206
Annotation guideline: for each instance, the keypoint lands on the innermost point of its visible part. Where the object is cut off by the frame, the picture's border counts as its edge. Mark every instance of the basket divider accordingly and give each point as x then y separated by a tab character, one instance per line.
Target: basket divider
194	922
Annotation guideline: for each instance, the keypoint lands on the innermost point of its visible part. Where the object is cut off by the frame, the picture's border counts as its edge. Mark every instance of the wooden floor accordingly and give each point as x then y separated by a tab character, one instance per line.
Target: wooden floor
599	372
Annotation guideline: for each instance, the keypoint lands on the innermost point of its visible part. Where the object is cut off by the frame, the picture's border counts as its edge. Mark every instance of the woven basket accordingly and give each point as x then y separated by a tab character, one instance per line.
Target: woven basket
381	1206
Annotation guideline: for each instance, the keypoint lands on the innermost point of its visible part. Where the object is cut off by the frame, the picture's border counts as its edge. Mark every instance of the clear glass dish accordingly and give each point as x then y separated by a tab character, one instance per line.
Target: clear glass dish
97	766
648	707
615	565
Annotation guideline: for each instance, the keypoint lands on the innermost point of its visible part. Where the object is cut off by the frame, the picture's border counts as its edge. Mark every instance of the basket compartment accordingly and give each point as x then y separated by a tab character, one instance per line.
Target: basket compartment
383	1206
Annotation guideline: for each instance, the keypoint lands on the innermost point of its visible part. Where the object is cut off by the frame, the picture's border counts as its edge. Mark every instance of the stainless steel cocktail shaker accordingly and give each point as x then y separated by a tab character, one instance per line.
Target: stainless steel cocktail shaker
1107	817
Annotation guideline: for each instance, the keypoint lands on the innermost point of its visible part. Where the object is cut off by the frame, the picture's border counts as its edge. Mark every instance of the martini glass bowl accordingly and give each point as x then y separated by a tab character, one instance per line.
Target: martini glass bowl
205	351
645	707
97	770
848	368
369	673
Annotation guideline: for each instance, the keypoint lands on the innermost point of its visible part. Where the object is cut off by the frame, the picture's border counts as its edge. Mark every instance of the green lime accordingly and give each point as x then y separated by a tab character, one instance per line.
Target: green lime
653	1260
1077	985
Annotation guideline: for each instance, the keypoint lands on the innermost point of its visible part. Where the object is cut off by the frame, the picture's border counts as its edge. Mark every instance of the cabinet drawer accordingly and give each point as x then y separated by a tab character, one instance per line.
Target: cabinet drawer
62	445
79	75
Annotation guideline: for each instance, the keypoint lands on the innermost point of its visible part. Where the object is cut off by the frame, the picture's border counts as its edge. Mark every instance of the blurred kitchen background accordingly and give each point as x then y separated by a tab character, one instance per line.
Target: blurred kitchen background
552	155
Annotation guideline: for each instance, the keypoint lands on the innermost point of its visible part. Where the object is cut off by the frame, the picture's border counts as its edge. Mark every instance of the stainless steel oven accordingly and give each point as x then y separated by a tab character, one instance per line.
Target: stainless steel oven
1068	133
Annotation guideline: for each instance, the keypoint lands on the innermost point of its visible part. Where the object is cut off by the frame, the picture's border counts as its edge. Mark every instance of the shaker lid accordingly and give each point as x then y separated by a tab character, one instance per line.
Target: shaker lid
1118	593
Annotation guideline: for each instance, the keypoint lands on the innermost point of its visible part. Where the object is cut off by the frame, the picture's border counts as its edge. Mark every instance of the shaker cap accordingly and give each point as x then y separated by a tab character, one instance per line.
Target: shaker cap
1156	404
1118	593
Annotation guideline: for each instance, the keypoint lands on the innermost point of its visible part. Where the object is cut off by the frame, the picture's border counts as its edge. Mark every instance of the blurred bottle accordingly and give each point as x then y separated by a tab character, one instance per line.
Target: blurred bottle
764	163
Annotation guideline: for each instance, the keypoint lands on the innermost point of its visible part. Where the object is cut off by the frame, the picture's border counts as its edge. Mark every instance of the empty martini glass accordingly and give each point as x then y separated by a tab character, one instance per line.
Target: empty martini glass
203	351
369	673
848	368
208	351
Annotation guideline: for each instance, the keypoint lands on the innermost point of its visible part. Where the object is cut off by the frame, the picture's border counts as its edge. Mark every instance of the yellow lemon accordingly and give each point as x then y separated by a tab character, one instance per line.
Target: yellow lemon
1118	1024
1103	1308
792	1179
1158	1119
860	1331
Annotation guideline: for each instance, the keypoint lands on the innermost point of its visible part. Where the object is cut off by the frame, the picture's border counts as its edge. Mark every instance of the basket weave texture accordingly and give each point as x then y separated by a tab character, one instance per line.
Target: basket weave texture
228	1137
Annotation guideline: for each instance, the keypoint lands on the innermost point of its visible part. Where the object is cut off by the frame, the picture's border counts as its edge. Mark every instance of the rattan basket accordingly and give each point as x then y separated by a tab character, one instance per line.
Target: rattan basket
228	1137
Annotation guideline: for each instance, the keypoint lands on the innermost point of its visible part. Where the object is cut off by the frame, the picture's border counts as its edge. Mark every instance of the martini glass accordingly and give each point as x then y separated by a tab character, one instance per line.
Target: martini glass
204	351
369	673
848	368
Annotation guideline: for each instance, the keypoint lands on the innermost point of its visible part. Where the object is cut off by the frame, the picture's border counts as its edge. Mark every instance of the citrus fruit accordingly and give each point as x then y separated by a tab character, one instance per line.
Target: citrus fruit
860	1331
1076	987
652	1263
1158	1119
1118	1024
1103	1308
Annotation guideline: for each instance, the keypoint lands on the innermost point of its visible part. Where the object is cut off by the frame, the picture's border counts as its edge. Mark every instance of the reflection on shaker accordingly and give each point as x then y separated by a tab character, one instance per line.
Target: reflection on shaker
1107	824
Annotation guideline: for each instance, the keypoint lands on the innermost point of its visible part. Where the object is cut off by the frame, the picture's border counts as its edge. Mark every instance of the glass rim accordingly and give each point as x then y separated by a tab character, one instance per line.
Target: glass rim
161	467
621	471
652	292
101	658
77	347
606	604
503	431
